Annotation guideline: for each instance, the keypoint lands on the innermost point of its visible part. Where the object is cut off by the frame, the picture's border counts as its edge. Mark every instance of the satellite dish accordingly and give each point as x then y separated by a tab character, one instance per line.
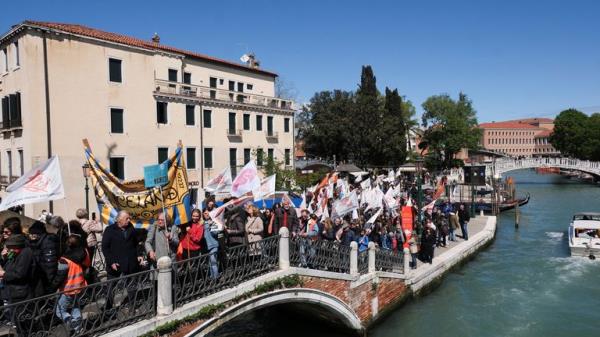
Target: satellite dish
245	58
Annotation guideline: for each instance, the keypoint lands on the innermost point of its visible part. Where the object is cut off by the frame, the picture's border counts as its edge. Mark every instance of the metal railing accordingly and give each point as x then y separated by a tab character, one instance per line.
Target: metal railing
191	90
320	254
102	307
272	135
234	132
11	123
208	273
388	260
363	262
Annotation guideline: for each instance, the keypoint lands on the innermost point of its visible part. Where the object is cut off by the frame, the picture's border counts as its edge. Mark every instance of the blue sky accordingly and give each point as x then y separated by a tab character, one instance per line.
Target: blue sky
513	58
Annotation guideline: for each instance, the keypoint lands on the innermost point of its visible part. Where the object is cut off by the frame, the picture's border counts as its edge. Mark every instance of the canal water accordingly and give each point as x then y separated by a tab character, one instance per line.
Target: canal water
525	283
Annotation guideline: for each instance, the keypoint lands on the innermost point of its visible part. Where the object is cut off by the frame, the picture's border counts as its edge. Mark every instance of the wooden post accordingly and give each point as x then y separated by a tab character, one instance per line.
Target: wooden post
517	216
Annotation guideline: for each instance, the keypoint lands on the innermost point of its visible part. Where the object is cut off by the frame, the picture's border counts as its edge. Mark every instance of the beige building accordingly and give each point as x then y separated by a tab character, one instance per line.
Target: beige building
519	138
133	100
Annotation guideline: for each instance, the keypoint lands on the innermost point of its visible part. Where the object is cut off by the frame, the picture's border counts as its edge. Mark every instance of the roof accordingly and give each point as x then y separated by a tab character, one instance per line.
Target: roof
81	30
533	120
347	168
543	133
507	125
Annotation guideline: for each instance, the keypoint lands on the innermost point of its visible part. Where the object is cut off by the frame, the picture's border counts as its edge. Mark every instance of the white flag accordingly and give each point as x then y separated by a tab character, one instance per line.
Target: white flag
246	181
346	205
267	188
365	184
218	214
221	183
390	199
375	216
325	214
41	183
374	198
303	203
354	214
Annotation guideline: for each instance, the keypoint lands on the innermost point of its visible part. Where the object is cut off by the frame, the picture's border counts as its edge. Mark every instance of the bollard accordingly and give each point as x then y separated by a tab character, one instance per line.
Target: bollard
406	261
164	298
372	249
481	212
353	258
284	248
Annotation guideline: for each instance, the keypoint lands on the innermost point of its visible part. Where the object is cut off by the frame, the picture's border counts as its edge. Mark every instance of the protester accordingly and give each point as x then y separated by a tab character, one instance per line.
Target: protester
213	236
11	226
254	230
190	238
120	247
162	239
235	226
16	273
92	228
44	247
414	251
428	244
285	217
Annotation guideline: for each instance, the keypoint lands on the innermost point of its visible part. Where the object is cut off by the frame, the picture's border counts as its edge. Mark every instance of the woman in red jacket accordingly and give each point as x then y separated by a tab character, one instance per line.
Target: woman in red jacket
191	237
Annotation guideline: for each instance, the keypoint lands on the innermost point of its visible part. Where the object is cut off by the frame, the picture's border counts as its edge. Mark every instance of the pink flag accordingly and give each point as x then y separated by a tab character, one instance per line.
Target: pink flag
246	181
218	214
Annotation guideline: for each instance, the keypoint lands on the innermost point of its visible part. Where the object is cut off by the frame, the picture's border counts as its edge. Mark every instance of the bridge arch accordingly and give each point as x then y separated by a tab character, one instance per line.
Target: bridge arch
504	165
325	302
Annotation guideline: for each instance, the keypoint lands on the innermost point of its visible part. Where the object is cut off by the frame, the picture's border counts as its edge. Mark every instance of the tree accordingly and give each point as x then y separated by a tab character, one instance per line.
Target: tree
285	89
366	121
284	178
451	125
393	129
569	133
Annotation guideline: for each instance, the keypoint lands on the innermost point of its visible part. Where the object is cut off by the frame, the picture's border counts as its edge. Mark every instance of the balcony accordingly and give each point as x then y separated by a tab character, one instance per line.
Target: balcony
234	135
221	95
272	137
11	124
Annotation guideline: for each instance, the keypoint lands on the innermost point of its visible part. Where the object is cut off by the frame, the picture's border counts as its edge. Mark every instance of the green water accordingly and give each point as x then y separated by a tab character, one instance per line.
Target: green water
524	284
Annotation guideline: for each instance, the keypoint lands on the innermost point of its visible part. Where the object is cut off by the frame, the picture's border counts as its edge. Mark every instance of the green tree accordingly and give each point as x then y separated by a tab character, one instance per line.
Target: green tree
450	126
393	129
284	178
570	134
366	120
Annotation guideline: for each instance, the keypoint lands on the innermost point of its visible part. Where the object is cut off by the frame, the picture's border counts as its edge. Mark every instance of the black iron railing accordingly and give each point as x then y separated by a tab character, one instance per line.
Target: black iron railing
208	273
363	262
320	254
388	260
101	307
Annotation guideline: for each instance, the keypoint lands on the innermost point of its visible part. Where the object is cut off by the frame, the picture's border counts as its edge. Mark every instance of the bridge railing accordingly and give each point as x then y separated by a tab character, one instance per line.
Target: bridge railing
388	260
319	254
92	310
507	164
209	273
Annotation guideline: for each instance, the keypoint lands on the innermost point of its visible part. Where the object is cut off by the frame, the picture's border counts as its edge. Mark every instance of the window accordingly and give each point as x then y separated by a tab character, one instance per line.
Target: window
232	123
17	56
163	154
207	118
212	82
116	120
9	156
21	167
233	161
270	125
190	116
240	87
114	70
246	121
246	156
190	153
287	157
249	86
194	197
208	158
259	122
221	81
172	75
11	110
161	113
117	167
286	125
270	154
187	78
231	85
259	157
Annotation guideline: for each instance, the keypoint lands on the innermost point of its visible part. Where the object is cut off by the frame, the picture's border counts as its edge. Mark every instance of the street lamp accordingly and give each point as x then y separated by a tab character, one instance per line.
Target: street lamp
86	174
419	168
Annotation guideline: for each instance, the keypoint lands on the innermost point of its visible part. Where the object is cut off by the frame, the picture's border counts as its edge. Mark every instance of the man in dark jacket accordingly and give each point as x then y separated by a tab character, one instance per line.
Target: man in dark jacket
18	270
44	247
235	226
286	217
463	218
120	247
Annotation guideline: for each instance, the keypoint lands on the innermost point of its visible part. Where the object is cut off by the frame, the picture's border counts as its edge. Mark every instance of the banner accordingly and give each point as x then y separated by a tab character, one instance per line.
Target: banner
407	223
41	183
221	183
345	205
267	188
246	181
373	198
218	214
142	204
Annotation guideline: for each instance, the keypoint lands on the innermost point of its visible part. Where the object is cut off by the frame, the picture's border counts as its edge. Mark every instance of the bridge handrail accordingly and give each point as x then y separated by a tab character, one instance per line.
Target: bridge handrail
319	254
388	260
504	165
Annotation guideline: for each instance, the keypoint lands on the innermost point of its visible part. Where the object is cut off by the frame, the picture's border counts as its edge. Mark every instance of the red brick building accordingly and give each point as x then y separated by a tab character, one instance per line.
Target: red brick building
522	137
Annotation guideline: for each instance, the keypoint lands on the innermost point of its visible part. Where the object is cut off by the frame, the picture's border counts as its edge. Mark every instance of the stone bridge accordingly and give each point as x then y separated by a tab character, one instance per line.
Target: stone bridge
503	165
328	282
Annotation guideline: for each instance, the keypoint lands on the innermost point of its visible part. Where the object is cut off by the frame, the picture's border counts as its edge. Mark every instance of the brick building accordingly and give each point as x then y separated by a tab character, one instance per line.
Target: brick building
522	137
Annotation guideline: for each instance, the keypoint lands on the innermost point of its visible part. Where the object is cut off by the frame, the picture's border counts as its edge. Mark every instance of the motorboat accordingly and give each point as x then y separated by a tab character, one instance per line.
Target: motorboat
584	235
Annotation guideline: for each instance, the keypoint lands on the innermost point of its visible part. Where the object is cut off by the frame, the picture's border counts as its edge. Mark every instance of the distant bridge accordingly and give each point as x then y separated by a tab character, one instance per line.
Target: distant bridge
502	165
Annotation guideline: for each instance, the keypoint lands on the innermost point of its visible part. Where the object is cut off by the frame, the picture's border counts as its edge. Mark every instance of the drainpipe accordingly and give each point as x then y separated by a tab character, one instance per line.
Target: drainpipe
47	93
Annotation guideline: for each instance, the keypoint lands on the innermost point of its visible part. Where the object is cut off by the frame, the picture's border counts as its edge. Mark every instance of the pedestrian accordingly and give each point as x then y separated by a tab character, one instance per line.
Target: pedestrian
454	224
235	226
162	239
92	228
11	226
285	216
70	278
428	244
119	245
211	244
414	250
44	247
254	230
190	237
17	270
463	218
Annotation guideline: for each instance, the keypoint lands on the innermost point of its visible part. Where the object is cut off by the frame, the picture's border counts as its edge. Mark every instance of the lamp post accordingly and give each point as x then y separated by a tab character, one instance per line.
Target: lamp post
419	169
86	174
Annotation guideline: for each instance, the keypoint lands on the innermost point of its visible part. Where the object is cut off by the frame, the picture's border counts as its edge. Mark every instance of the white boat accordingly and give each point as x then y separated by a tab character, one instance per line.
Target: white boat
584	235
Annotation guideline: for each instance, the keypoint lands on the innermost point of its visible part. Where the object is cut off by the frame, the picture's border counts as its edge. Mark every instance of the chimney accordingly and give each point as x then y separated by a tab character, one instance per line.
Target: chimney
156	38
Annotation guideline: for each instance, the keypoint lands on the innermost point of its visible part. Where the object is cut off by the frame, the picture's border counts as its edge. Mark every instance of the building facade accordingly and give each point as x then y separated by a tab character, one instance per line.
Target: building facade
133	100
519	138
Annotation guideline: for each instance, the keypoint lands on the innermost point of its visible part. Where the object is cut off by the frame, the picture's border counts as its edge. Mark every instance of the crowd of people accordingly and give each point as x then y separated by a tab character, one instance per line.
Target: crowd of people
53	256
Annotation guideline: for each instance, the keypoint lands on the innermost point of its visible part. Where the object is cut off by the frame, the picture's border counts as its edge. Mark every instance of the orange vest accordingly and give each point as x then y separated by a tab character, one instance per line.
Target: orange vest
75	279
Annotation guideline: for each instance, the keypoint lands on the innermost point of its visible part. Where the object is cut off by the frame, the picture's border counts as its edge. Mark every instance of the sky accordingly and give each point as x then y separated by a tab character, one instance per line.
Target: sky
514	59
